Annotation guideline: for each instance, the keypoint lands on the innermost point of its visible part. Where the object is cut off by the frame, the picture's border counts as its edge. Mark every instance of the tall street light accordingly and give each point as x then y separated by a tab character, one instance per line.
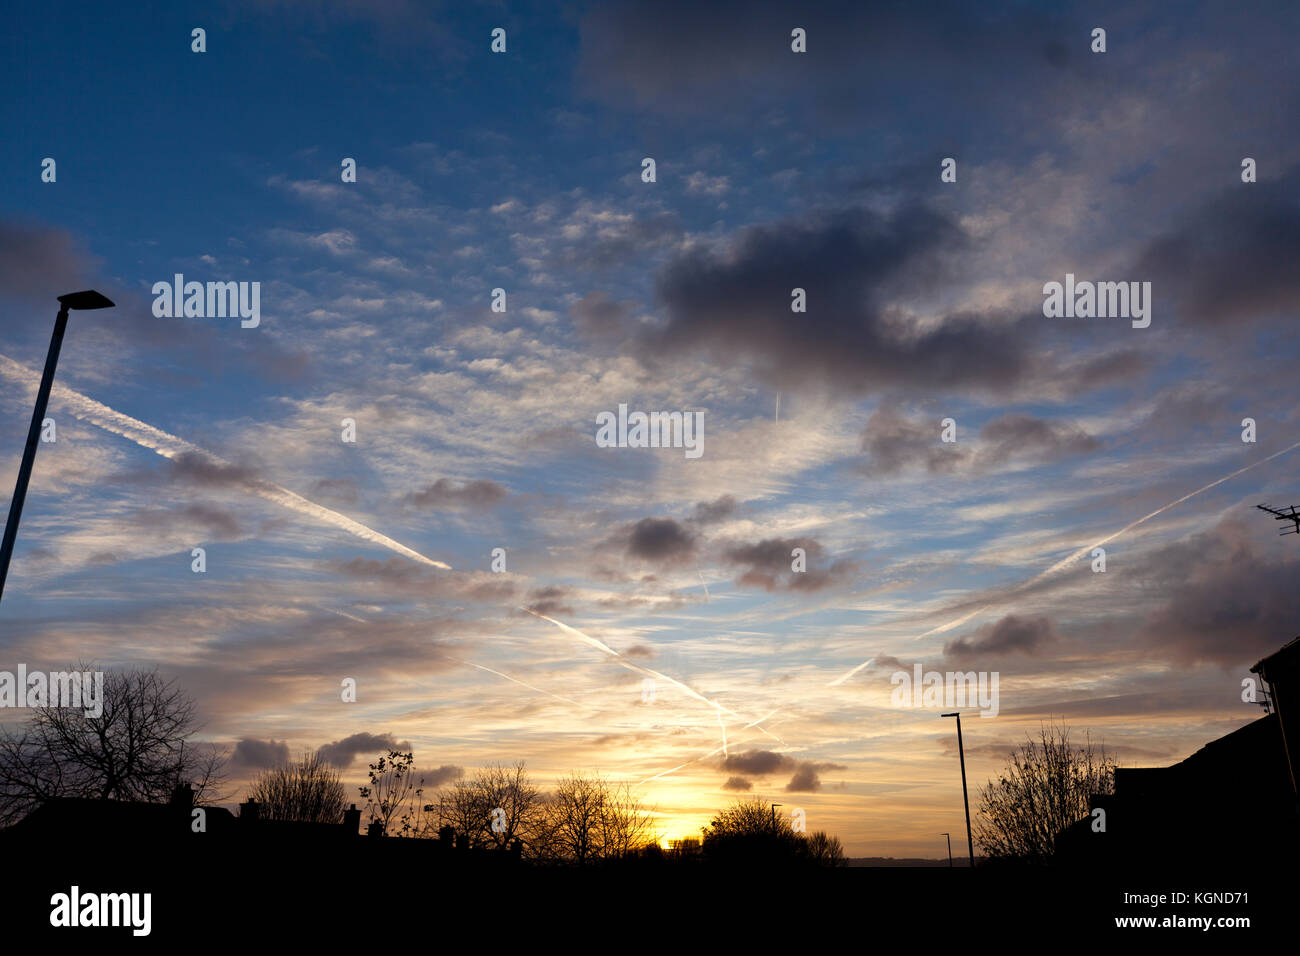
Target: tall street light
949	836
970	843
88	299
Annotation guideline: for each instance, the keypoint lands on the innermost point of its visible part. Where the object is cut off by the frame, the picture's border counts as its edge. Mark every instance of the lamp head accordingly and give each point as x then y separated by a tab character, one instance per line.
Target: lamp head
81	301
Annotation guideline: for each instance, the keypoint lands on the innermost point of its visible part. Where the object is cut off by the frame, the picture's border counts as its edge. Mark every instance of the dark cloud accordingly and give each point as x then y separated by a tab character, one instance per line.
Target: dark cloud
762	763
660	540
639	650
690	58
404	577
37	263
202	472
733	302
894	443
757	763
1010	635
597	316
1227	597
341	753
336	491
768	563
1234	259
478	495
198	520
807	779
549	600
447	773
711	512
256	754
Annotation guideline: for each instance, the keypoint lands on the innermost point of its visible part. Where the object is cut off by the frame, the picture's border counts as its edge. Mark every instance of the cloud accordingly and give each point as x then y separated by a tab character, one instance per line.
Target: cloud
395	576
260	754
761	763
684	58
204	472
732	300
597	316
1009	635
895	443
1228	597
208	521
1232	260
337	491
711	512
659	540
447	773
478	495
807	779
549	600
341	753
768	563
38	263
757	763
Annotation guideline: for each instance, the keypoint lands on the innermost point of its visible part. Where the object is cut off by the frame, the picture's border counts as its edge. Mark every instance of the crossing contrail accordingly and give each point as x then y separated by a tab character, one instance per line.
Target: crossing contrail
1085	551
623	661
1054	569
516	680
172	447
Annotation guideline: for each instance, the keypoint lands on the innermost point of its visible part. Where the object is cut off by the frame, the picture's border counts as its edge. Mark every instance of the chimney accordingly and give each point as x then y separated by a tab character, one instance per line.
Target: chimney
352	821
248	811
183	796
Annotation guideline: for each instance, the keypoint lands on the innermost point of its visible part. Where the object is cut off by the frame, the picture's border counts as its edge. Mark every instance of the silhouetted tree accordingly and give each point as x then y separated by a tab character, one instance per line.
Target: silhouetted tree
748	833
590	819
309	791
1046	786
471	806
394	796
135	750
823	849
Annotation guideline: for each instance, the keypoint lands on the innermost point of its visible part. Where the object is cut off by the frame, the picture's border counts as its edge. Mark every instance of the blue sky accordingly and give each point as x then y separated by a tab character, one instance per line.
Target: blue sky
475	429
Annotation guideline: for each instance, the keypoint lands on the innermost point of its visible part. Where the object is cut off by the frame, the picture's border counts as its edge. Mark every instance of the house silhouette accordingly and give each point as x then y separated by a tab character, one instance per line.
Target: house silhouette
1221	805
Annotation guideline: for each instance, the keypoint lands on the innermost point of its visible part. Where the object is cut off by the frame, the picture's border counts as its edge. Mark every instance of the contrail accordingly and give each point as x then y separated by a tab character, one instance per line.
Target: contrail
1082	552
707	600
171	447
521	683
663	773
600	645
1055	568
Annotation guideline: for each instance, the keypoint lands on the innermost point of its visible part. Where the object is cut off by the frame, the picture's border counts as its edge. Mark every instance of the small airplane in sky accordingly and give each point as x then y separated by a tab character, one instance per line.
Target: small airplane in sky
1292	515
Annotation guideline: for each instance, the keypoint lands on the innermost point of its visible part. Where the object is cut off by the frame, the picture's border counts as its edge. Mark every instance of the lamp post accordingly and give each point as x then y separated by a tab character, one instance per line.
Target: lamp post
949	836
970	843
88	299
774	806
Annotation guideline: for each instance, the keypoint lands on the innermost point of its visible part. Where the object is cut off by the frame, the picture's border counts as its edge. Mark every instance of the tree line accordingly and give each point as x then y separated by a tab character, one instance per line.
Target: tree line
139	748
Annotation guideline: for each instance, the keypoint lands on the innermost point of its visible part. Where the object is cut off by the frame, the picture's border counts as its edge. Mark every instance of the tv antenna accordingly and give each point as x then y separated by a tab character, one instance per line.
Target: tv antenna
1292	516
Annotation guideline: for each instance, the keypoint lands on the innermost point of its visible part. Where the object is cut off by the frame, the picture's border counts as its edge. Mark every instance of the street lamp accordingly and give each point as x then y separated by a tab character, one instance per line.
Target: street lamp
89	299
774	806
970	843
949	836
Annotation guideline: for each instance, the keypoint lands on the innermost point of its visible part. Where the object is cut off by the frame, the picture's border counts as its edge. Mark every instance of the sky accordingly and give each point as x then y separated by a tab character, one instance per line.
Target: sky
476	429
